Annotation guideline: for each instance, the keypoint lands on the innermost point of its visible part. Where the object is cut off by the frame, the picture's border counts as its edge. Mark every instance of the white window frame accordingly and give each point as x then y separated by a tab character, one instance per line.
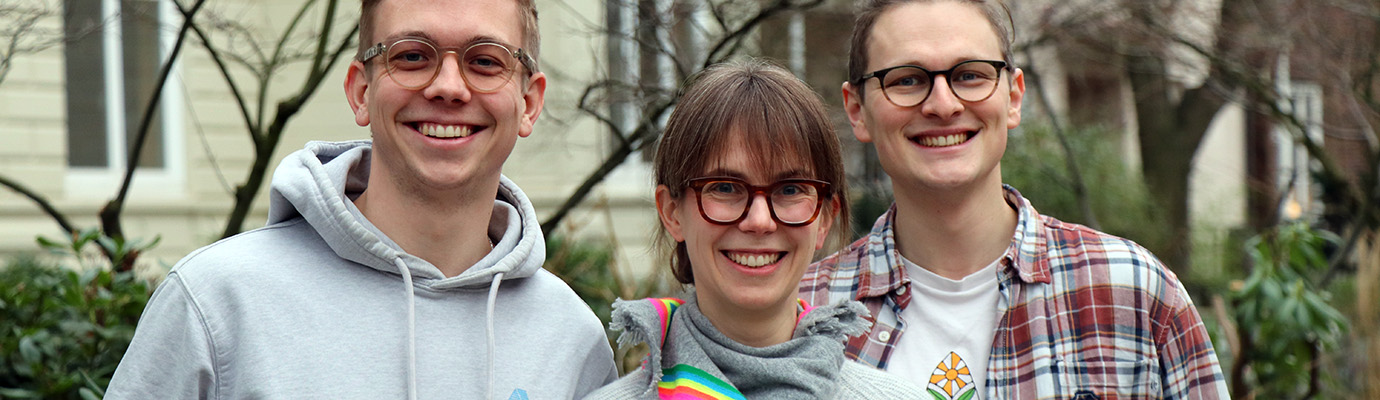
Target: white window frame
1305	102
165	182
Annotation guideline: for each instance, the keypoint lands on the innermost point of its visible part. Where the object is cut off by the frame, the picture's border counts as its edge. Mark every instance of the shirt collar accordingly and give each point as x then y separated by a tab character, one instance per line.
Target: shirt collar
1026	252
882	270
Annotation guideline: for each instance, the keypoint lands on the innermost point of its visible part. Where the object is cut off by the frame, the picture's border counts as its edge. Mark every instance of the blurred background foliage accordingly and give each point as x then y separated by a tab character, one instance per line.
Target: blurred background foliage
63	330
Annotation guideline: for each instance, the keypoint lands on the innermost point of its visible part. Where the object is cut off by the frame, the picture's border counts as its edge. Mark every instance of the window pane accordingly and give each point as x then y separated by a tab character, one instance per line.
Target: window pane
86	106
139	27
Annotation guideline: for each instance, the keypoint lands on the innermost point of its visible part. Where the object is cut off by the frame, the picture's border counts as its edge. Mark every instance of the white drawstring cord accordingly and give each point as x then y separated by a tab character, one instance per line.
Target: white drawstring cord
411	329
489	319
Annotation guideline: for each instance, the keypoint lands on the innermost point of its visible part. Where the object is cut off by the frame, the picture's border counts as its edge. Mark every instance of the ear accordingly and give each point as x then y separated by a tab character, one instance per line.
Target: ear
356	86
852	105
533	98
1013	113
667	208
826	221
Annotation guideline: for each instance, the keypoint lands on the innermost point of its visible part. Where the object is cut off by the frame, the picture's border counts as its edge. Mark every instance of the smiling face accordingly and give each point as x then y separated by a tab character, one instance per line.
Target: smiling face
444	136
754	264
943	143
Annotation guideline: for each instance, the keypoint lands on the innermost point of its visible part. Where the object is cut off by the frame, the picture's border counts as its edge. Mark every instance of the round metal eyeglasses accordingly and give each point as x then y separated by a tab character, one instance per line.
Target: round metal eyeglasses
726	200
908	85
414	63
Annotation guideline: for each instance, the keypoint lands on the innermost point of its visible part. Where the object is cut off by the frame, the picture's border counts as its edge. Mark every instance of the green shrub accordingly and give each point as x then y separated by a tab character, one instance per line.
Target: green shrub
1035	165
1284	314
63	331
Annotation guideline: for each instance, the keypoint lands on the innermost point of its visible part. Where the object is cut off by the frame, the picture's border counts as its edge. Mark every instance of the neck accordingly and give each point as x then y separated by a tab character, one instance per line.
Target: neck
756	328
449	230
953	232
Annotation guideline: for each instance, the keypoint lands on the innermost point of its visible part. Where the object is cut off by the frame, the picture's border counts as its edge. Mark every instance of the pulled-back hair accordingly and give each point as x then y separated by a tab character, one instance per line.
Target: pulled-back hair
996	12
777	118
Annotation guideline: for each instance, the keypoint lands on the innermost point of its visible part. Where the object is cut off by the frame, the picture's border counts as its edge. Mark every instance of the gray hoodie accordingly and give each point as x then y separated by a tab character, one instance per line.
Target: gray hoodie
321	304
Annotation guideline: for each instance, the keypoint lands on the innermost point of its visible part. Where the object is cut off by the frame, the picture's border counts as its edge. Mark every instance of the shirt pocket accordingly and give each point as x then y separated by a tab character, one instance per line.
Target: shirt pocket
1108	379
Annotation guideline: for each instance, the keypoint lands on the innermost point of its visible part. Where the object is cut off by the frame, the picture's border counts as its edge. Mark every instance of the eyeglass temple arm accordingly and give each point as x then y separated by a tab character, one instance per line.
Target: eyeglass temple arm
371	52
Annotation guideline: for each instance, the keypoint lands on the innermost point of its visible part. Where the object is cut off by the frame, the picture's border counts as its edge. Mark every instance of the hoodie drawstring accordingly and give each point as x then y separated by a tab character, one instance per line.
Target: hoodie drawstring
412	328
489	322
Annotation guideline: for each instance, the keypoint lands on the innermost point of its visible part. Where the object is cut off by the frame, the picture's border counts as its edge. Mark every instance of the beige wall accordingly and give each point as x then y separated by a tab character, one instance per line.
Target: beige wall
187	210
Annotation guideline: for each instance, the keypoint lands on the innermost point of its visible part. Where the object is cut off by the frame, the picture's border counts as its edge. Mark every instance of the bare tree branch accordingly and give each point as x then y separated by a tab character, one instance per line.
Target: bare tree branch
271	136
656	102
110	213
1080	190
245	113
41	202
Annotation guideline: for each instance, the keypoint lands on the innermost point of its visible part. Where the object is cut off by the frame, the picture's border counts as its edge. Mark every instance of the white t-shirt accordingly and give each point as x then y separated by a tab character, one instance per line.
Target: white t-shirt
949	330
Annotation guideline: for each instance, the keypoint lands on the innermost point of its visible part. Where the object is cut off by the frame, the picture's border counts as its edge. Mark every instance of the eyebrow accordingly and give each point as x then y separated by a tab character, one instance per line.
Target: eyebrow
961	60
424	35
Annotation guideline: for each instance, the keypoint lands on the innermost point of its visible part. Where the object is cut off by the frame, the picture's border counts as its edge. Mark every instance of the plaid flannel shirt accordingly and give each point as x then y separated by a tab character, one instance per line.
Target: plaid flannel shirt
1088	315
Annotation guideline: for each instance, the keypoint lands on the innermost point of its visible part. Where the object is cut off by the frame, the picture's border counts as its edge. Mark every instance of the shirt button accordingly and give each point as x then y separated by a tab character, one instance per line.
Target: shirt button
884	336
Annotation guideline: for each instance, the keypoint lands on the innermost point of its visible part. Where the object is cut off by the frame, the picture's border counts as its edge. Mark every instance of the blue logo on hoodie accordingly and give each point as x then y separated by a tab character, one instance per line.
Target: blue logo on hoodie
518	394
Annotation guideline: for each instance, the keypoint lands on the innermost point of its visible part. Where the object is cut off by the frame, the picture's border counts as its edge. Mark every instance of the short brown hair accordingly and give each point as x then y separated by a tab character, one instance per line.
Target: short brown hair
778	116
531	33
996	12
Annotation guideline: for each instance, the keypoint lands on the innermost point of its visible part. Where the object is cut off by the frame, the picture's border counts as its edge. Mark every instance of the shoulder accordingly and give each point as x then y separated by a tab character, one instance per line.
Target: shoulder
847	258
253	254
858	381
846	265
1084	257
546	297
630	386
271	242
547	287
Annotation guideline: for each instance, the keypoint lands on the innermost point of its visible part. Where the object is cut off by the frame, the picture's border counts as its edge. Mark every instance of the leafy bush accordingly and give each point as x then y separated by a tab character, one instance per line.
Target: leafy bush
1285	316
1035	165
63	331
117	251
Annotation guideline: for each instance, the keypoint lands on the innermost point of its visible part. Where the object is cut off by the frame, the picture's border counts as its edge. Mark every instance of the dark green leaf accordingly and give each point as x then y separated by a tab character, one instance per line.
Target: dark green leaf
88	394
49	244
29	351
10	393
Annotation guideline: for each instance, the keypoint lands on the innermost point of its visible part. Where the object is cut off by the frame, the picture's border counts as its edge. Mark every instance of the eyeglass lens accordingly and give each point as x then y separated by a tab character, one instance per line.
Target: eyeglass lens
969	81
790	202
414	63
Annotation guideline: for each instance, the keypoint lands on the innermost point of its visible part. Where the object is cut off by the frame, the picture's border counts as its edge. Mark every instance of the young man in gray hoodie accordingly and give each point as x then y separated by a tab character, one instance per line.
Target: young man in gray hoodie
405	267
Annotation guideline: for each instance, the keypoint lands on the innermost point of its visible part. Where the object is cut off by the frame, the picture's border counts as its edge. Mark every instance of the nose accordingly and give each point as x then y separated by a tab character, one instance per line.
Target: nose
942	102
449	84
758	219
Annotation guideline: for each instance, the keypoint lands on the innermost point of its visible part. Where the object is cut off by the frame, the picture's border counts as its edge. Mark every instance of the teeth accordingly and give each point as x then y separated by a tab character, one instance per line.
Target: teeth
754	260
942	141
445	131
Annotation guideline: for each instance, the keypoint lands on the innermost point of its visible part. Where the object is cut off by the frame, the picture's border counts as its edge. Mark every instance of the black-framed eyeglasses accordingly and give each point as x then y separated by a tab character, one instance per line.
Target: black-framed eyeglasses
908	85
414	62
725	200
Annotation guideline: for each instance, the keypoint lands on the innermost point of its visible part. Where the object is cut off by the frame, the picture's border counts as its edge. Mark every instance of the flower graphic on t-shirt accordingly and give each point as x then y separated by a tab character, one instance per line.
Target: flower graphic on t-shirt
952	380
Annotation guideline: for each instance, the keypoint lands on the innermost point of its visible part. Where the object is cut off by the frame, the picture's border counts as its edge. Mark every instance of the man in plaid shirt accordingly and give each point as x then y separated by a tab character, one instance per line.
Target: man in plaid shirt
972	291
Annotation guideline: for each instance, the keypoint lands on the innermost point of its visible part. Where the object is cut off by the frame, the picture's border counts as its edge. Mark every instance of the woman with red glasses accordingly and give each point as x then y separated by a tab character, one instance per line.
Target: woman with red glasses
749	183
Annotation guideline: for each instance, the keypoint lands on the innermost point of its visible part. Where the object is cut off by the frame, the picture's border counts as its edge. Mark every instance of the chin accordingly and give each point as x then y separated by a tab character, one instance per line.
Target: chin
756	299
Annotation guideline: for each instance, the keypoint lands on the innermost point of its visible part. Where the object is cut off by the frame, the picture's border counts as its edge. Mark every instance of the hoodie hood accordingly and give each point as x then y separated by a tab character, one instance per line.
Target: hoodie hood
319	182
